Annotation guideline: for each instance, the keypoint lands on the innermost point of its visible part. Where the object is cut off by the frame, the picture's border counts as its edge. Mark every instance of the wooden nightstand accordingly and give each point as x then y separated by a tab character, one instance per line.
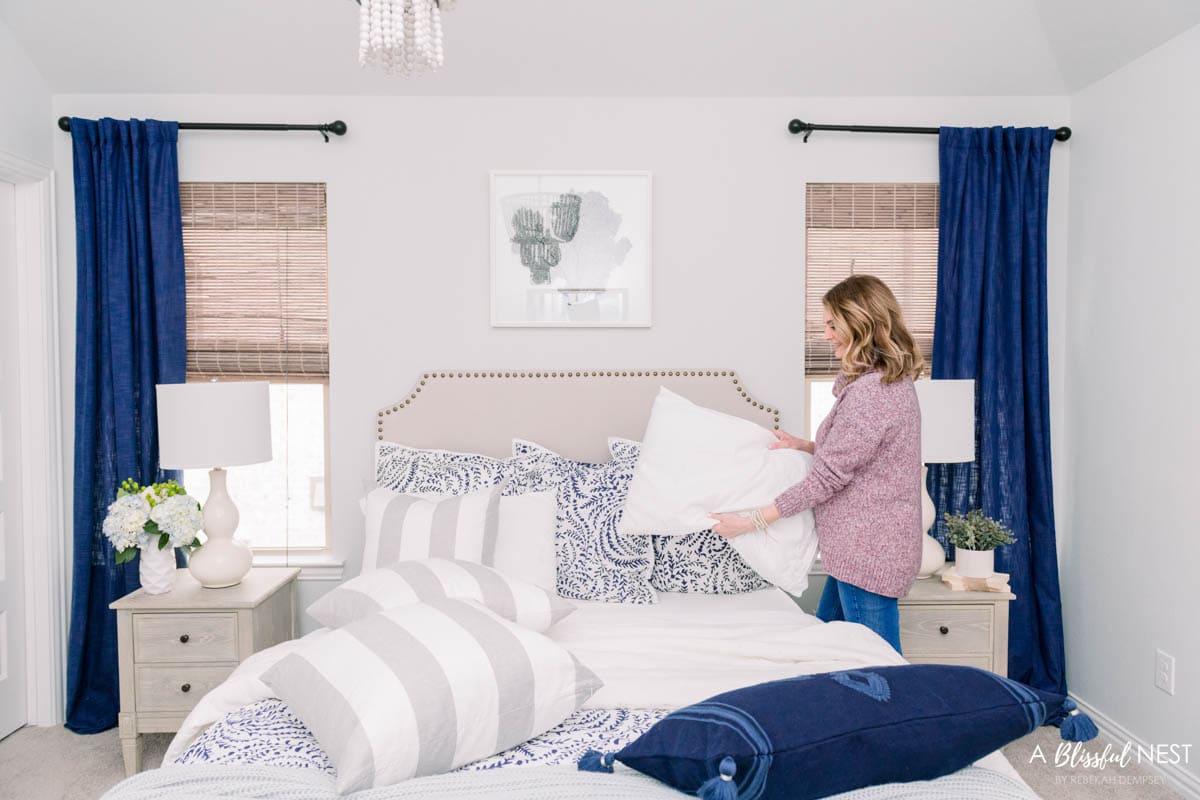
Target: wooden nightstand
174	647
941	626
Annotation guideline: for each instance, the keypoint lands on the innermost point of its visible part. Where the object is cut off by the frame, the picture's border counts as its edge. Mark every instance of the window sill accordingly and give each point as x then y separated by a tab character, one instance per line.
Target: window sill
320	565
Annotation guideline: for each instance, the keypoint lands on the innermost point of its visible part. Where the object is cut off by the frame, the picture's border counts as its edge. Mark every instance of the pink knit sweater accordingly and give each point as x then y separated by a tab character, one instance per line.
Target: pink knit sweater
865	485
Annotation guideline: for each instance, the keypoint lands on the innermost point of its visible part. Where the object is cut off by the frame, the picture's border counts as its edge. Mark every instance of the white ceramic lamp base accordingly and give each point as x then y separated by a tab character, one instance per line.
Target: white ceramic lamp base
933	557
222	561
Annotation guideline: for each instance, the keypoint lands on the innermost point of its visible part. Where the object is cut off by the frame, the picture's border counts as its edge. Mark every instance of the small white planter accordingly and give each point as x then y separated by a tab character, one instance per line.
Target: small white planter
975	563
156	568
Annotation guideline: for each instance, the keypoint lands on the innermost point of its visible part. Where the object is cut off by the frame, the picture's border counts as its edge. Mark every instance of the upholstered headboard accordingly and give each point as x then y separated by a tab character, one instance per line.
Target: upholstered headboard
570	411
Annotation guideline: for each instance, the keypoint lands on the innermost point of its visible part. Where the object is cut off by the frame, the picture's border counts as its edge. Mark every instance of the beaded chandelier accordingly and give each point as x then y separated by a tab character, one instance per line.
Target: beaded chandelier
402	36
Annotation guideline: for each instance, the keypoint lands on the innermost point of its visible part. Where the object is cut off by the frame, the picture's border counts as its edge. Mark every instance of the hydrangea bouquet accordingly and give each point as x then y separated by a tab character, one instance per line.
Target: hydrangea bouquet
161	515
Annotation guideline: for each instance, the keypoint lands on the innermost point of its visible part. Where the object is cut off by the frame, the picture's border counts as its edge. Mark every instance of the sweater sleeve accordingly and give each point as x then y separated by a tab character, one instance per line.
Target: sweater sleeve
853	438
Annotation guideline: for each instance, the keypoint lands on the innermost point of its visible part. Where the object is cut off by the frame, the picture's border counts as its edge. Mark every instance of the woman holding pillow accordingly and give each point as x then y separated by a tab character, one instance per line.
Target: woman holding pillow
864	487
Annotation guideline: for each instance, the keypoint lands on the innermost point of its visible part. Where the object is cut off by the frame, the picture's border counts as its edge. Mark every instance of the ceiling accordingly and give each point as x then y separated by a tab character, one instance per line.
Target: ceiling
616	48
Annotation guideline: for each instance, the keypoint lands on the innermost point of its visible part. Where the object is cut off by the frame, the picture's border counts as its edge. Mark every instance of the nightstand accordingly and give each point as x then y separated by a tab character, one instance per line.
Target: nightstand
941	626
174	647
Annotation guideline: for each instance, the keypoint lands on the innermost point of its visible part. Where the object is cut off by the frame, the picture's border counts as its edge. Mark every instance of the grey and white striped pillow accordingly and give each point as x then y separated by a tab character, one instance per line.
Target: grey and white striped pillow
406	582
426	688
404	527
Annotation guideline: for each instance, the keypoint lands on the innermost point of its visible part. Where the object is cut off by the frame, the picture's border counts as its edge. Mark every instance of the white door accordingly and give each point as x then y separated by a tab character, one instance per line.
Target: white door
13	701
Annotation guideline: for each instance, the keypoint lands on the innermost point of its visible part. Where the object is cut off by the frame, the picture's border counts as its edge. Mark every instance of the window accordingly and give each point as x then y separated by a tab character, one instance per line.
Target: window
889	230
257	309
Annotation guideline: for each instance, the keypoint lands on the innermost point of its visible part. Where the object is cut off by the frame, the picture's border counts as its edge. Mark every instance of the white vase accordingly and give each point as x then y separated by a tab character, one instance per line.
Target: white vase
156	568
975	563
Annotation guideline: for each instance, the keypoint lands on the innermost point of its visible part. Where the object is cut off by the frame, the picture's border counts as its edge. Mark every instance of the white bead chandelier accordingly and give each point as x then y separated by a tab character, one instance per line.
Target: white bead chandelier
402	36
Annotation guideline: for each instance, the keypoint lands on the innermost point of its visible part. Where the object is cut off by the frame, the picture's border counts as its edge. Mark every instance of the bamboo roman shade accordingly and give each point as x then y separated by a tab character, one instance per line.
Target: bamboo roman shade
889	230
257	281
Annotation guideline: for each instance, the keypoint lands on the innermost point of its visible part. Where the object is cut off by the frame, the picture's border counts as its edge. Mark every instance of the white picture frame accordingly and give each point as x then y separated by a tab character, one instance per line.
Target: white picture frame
570	249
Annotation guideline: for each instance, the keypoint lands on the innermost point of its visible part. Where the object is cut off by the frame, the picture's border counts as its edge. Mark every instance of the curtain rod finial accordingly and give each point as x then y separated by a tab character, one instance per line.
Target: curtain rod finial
64	124
1062	134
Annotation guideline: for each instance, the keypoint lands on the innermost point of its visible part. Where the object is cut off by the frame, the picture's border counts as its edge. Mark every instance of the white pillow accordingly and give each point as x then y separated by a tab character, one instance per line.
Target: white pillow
513	534
423	689
406	582
695	461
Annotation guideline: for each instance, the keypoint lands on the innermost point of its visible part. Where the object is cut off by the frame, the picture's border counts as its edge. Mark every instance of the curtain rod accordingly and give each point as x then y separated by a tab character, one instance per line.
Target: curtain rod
337	127
798	126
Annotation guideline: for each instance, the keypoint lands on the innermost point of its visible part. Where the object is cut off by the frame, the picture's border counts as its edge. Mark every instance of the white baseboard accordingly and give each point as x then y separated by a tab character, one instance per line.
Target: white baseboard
1182	781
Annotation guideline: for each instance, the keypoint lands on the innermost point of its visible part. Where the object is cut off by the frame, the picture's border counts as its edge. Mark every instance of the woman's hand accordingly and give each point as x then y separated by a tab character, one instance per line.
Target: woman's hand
786	441
731	525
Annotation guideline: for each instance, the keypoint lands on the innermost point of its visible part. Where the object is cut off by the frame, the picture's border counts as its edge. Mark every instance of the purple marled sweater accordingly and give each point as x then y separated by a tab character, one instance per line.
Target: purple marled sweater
865	485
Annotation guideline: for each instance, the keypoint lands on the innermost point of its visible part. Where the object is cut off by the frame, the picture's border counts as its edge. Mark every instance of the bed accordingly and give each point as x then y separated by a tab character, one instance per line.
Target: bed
240	740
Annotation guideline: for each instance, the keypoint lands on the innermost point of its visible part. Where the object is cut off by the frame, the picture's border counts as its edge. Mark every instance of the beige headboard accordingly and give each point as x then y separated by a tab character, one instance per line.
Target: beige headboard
571	412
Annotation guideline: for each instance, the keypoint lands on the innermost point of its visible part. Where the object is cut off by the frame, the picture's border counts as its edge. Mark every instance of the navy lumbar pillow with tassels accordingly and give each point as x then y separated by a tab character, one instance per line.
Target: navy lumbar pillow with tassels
817	735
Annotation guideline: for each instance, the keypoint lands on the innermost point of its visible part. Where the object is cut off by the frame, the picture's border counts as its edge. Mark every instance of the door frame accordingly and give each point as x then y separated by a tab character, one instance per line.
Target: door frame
41	464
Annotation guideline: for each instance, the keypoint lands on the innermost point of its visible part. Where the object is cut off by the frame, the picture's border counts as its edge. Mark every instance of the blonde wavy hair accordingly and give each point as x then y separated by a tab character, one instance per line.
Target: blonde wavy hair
867	318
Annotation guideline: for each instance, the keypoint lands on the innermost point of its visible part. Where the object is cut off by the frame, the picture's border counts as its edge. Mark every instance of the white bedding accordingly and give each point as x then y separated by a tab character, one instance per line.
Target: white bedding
684	649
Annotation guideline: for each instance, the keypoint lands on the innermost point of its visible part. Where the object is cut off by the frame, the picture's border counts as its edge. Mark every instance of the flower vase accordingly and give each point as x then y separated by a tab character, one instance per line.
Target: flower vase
975	563
156	568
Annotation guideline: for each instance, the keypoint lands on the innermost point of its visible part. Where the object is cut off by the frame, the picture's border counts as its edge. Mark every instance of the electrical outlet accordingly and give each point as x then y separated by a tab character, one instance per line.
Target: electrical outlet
1164	671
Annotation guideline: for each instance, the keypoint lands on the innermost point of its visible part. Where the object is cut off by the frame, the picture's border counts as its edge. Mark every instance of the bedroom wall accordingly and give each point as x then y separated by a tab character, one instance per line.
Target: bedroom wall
408	229
27	130
1132	435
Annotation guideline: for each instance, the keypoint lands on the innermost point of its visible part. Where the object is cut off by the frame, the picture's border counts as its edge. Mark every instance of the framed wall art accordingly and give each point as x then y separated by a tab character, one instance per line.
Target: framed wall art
570	249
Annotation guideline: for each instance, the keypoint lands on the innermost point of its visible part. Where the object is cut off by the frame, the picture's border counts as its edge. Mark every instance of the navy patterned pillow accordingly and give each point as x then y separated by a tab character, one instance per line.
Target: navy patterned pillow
818	735
594	561
413	470
700	562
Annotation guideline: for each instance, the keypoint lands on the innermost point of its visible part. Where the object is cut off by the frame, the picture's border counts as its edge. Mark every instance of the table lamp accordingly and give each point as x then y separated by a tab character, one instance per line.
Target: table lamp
214	426
947	437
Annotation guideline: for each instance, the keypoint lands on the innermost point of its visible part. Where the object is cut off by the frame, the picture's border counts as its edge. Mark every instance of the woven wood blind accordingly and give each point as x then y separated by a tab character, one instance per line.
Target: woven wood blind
889	230
257	281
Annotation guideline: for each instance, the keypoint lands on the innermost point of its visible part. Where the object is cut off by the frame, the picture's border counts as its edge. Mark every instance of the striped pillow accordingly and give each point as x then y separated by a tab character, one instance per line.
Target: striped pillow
426	688
403	526
406	582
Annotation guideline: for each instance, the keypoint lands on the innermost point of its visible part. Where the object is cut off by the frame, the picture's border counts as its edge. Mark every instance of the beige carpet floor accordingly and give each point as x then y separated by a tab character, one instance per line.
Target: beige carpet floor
55	764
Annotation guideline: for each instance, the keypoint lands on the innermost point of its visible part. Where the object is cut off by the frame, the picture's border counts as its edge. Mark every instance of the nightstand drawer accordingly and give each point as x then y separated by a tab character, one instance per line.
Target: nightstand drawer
176	688
175	638
951	630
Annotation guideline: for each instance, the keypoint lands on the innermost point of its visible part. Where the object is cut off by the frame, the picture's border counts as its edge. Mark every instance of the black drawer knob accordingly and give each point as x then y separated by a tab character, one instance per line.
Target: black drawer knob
187	687
944	630
184	638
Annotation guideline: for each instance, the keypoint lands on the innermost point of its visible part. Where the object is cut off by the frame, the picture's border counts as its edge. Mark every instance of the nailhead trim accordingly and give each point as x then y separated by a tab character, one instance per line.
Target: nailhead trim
594	374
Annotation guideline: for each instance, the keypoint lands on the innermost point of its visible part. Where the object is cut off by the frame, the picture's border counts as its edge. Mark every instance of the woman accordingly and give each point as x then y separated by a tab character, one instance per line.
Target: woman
864	488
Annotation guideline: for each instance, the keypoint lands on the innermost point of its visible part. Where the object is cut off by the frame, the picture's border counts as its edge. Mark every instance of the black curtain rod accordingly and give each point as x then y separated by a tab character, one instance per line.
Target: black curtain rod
337	127
799	126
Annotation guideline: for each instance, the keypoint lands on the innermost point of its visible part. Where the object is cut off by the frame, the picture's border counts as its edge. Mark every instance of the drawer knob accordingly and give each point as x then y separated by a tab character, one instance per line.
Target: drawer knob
943	630
184	639
187	687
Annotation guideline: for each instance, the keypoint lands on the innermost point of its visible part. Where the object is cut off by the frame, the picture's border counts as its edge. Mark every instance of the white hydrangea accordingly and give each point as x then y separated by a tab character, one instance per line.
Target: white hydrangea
126	519
179	517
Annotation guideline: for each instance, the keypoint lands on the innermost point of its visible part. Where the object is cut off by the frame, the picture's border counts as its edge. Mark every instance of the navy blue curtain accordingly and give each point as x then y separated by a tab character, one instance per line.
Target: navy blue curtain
990	326
130	333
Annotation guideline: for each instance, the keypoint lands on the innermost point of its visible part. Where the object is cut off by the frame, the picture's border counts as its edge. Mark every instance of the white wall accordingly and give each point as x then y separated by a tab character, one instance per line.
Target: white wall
408	228
26	127
1129	568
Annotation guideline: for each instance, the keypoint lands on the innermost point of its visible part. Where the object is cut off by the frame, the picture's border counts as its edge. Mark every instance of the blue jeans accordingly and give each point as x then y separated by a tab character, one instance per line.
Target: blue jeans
845	601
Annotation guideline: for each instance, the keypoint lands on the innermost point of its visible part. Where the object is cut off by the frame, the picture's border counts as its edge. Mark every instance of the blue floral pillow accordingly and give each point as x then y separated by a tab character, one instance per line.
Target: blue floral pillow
818	735
700	562
594	561
413	470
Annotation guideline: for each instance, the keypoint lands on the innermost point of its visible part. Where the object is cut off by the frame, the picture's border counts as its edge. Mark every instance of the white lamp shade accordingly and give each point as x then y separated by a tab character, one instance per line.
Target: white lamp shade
947	421
206	425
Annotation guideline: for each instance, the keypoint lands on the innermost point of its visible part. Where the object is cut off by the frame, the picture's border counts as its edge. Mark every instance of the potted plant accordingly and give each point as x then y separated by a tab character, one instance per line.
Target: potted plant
154	520
975	539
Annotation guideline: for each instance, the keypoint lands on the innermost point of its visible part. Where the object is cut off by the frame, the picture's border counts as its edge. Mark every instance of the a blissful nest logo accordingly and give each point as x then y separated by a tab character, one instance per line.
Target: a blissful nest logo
1093	765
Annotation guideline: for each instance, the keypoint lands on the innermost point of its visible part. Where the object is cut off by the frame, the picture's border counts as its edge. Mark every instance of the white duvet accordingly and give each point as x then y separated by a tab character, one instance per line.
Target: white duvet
682	650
